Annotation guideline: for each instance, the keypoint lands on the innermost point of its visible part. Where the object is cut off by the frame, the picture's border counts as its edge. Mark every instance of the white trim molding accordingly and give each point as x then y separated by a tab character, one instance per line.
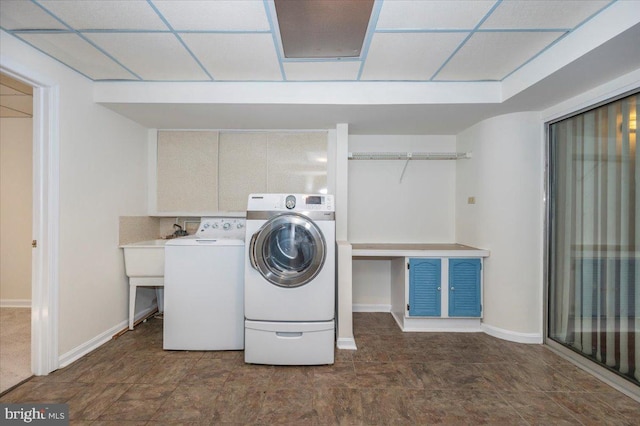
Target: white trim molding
346	343
364	307
512	336
99	340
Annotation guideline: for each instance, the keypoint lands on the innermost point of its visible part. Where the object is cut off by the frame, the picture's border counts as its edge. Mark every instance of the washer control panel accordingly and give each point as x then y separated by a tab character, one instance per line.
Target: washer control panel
222	227
291	202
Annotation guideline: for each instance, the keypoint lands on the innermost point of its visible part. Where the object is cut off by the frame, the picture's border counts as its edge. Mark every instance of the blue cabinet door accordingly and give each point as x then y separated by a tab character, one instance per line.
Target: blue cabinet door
424	287
464	287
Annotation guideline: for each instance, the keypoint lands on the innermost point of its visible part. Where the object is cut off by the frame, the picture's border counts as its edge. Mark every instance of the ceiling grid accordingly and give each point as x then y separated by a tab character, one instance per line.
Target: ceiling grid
239	40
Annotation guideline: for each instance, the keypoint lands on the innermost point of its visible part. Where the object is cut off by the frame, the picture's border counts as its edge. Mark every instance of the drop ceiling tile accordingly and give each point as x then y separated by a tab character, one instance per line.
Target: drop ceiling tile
25	15
104	15
410	56
21	103
220	15
519	14
152	56
322	71
411	14
72	50
236	56
492	56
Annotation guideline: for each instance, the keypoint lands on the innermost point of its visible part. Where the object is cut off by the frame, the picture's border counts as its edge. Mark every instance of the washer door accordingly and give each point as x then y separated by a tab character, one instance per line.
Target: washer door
288	250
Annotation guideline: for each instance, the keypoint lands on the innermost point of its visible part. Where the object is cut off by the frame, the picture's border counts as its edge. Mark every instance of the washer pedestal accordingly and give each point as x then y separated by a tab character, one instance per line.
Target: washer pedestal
289	343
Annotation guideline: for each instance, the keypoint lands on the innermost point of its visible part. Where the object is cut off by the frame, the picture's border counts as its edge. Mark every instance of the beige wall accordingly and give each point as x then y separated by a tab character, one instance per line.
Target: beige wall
16	147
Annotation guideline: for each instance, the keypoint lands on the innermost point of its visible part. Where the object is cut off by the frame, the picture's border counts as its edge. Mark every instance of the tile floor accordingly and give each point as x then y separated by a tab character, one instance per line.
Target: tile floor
394	378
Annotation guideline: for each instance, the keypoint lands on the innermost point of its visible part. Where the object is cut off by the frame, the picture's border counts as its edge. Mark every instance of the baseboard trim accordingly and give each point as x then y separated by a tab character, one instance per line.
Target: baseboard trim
93	344
15	303
348	343
512	336
362	307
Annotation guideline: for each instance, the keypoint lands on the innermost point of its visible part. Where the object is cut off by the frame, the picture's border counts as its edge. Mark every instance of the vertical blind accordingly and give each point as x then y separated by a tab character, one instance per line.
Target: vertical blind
594	239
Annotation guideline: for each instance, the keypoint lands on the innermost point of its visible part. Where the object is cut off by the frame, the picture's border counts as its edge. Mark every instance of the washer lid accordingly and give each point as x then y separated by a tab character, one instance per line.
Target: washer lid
289	250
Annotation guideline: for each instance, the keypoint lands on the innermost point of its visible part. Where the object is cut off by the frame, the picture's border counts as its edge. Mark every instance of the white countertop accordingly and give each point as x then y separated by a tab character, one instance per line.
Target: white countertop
416	250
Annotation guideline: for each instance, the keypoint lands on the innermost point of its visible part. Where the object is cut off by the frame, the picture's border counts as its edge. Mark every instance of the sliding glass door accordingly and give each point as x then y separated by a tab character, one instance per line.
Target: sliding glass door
594	236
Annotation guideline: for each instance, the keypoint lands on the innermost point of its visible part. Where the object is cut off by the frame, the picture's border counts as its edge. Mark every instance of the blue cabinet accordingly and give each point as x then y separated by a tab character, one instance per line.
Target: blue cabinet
462	284
425	287
464	288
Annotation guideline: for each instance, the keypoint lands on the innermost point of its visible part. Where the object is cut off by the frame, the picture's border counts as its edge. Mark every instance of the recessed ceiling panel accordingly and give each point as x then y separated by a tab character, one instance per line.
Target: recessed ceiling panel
236	56
153	56
220	15
492	56
411	56
72	50
25	15
519	14
103	15
323	28
411	14
322	71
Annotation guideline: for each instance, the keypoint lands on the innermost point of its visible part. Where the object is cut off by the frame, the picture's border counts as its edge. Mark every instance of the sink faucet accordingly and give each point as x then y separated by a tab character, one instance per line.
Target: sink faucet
178	231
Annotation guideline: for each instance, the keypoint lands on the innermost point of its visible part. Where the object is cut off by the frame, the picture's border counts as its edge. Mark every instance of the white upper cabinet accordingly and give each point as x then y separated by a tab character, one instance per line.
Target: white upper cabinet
206	172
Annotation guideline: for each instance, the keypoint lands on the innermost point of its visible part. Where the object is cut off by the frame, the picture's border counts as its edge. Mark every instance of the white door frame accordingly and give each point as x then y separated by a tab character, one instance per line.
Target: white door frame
45	227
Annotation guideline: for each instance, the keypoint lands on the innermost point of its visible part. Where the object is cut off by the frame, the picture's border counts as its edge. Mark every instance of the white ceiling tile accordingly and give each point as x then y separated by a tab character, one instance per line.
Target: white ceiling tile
492	56
411	14
410	56
72	50
153	56
236	56
106	14
25	15
319	71
220	15
529	14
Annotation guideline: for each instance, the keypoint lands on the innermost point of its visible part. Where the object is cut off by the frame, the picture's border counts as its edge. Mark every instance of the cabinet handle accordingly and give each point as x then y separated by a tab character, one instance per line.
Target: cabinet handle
439	289
453	288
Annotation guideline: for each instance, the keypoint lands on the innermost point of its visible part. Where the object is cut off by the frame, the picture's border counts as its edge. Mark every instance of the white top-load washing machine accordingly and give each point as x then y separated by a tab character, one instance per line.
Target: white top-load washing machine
203	287
290	279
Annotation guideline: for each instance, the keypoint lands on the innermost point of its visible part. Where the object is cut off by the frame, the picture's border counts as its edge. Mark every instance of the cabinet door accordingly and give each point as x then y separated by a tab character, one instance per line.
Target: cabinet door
424	287
464	287
187	171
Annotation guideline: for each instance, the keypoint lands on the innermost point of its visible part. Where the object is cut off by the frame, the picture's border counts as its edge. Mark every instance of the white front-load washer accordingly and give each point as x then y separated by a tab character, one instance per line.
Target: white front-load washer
290	279
203	288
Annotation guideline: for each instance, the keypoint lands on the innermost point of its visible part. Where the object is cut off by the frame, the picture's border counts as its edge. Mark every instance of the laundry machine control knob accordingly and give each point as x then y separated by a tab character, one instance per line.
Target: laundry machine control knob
290	202
239	225
226	226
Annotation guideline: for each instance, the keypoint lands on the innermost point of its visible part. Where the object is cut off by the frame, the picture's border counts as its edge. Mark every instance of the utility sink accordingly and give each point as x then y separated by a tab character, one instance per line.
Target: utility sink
144	265
144	258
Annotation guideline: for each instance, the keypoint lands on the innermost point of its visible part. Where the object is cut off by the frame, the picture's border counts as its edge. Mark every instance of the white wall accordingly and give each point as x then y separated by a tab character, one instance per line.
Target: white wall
103	173
505	176
383	209
16	150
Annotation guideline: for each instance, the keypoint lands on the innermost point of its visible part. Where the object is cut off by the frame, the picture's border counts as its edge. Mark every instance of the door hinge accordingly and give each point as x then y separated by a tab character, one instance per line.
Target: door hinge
407	307
408	267
34	243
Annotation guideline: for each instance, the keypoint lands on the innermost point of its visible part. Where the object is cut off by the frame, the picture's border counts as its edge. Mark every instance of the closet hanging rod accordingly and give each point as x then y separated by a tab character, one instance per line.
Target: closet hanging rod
409	155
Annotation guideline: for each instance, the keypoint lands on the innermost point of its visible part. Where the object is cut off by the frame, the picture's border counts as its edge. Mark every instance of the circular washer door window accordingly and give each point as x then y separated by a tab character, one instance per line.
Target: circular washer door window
289	250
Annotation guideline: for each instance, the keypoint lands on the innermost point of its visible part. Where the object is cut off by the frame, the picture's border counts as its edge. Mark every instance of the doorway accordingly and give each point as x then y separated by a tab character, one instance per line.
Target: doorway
16	195
45	217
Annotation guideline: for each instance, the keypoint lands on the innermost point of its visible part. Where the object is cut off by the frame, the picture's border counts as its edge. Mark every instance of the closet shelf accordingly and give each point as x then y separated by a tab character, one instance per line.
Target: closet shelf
409	155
